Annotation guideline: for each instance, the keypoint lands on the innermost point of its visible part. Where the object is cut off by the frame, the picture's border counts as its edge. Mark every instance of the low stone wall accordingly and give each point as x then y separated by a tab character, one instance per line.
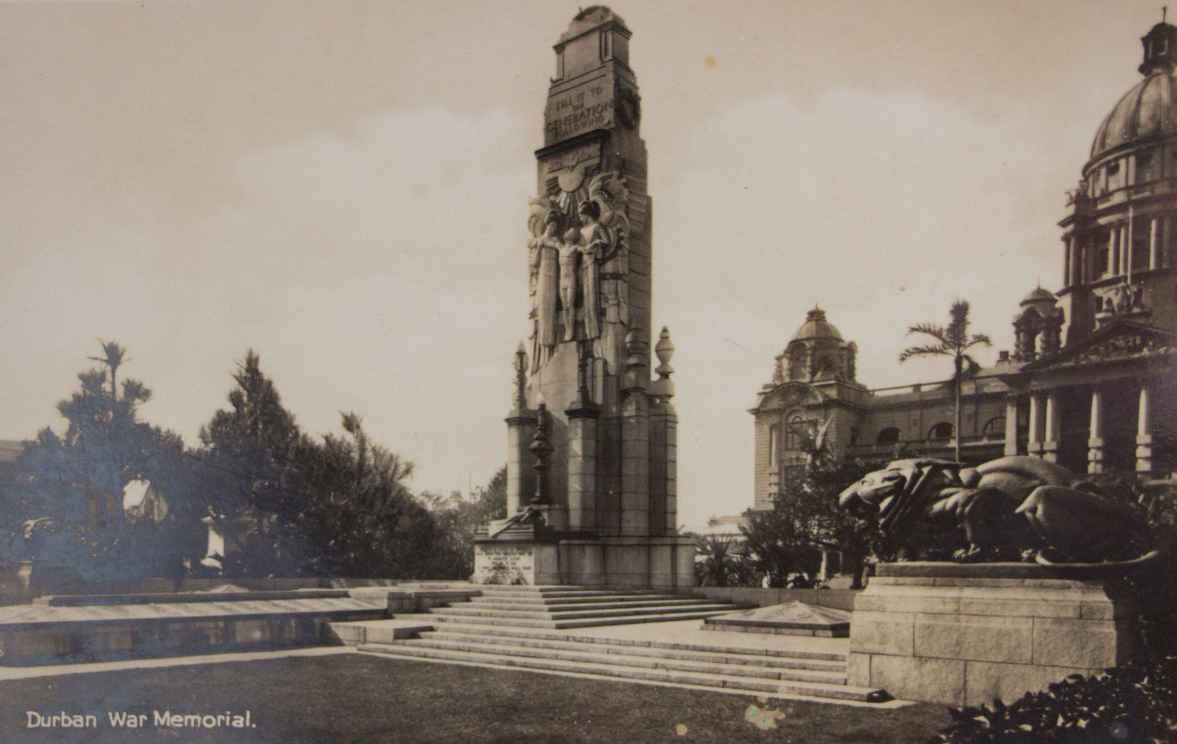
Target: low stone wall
423	600
15	591
81	631
966	634
838	599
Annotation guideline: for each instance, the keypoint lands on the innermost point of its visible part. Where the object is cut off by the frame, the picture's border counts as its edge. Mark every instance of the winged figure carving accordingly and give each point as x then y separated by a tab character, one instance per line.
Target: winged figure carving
611	194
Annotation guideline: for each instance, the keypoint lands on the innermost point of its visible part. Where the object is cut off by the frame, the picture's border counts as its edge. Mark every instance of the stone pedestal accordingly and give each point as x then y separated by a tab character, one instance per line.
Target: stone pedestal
523	562
966	634
629	562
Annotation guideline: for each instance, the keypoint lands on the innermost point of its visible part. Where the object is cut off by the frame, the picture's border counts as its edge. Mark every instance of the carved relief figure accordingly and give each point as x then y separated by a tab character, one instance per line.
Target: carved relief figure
542	263
595	241
611	196
569	251
584	267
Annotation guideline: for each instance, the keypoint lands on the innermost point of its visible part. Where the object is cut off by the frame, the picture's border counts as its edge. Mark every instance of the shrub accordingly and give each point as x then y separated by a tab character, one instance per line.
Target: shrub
1136	703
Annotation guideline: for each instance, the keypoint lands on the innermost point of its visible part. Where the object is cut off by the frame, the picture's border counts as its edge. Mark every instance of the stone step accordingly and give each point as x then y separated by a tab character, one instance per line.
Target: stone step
443	616
575	612
560	601
604	655
751	685
714	657
555	635
541	592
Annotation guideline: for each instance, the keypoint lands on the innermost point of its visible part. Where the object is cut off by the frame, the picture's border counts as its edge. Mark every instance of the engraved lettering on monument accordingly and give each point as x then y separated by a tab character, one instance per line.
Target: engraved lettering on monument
584	108
596	504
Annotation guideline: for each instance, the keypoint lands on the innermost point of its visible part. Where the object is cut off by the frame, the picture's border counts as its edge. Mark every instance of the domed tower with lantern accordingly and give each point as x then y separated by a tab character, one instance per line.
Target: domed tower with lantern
1100	392
1120	231
813	404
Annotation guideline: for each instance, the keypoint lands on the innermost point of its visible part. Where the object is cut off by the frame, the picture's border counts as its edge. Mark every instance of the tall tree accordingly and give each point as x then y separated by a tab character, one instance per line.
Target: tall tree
805	519
952	340
73	483
360	517
252	483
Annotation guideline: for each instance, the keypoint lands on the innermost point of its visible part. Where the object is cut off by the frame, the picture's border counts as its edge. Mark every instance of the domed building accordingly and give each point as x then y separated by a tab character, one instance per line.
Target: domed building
1090	383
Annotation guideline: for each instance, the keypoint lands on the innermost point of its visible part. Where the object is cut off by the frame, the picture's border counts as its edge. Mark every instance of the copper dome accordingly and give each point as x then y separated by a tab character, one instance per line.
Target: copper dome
816	326
1038	295
1149	108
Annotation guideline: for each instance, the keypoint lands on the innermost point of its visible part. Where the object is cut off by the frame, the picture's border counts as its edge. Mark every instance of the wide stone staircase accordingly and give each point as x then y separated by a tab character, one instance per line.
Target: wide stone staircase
534	628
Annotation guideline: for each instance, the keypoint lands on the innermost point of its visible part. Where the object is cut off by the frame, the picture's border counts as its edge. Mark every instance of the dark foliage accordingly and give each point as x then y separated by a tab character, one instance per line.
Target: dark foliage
458	518
66	506
804	519
723	562
288	504
1127	704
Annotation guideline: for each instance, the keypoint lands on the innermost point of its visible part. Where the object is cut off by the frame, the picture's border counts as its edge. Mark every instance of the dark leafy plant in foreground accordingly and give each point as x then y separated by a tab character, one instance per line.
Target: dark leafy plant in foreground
1129	704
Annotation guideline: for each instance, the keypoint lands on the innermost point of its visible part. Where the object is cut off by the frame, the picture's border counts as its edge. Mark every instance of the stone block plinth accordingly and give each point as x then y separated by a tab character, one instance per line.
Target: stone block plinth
516	562
965	634
631	562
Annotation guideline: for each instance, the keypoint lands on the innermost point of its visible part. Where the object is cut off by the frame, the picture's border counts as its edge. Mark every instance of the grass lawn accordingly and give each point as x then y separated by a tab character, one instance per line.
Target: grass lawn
357	698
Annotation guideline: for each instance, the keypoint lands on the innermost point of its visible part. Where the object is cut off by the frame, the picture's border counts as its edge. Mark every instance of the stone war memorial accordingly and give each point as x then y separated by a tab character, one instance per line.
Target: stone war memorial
591	487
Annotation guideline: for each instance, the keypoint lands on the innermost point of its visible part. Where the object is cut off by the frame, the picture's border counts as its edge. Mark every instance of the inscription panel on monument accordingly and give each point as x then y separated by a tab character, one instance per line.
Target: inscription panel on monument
504	564
582	109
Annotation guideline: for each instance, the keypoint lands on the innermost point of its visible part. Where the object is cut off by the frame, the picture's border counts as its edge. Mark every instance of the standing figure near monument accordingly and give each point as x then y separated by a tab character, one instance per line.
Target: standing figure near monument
595	242
542	264
569	251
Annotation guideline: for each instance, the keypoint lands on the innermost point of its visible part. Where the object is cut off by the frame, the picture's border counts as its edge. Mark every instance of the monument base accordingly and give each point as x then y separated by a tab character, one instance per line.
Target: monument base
966	634
628	562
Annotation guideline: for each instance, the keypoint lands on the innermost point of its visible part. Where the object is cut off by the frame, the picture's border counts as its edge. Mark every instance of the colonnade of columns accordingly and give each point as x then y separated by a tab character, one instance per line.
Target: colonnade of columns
1119	249
1045	426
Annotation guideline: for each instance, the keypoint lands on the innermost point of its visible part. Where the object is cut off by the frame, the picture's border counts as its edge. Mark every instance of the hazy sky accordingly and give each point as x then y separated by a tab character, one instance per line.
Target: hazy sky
343	187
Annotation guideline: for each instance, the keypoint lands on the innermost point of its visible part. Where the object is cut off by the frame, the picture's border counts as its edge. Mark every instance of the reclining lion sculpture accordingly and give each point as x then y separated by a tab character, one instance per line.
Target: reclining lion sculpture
1013	507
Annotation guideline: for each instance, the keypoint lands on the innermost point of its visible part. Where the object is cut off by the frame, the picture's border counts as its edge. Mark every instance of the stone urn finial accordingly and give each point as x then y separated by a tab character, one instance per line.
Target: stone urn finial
664	350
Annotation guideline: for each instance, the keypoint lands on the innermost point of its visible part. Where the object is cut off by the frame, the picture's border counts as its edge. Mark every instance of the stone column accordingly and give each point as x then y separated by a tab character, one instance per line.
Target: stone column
663	442
520	428
635	439
1125	248
1095	433
1113	233
1034	446
671	469
520	475
1143	432
1053	419
582	467
1011	426
1165	251
583	415
1154	225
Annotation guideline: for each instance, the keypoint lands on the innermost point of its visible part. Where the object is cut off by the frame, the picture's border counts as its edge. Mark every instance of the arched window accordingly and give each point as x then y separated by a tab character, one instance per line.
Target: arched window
994	428
942	430
774	443
890	435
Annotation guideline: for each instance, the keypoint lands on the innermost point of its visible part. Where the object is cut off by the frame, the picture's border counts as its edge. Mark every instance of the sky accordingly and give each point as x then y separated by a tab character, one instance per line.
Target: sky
342	187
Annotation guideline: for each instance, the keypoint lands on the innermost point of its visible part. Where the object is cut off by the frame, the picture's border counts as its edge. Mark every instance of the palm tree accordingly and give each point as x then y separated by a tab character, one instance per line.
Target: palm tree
951	340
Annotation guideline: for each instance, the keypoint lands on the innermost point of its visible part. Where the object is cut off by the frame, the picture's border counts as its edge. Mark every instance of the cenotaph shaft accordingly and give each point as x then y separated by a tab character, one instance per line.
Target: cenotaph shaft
591	484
